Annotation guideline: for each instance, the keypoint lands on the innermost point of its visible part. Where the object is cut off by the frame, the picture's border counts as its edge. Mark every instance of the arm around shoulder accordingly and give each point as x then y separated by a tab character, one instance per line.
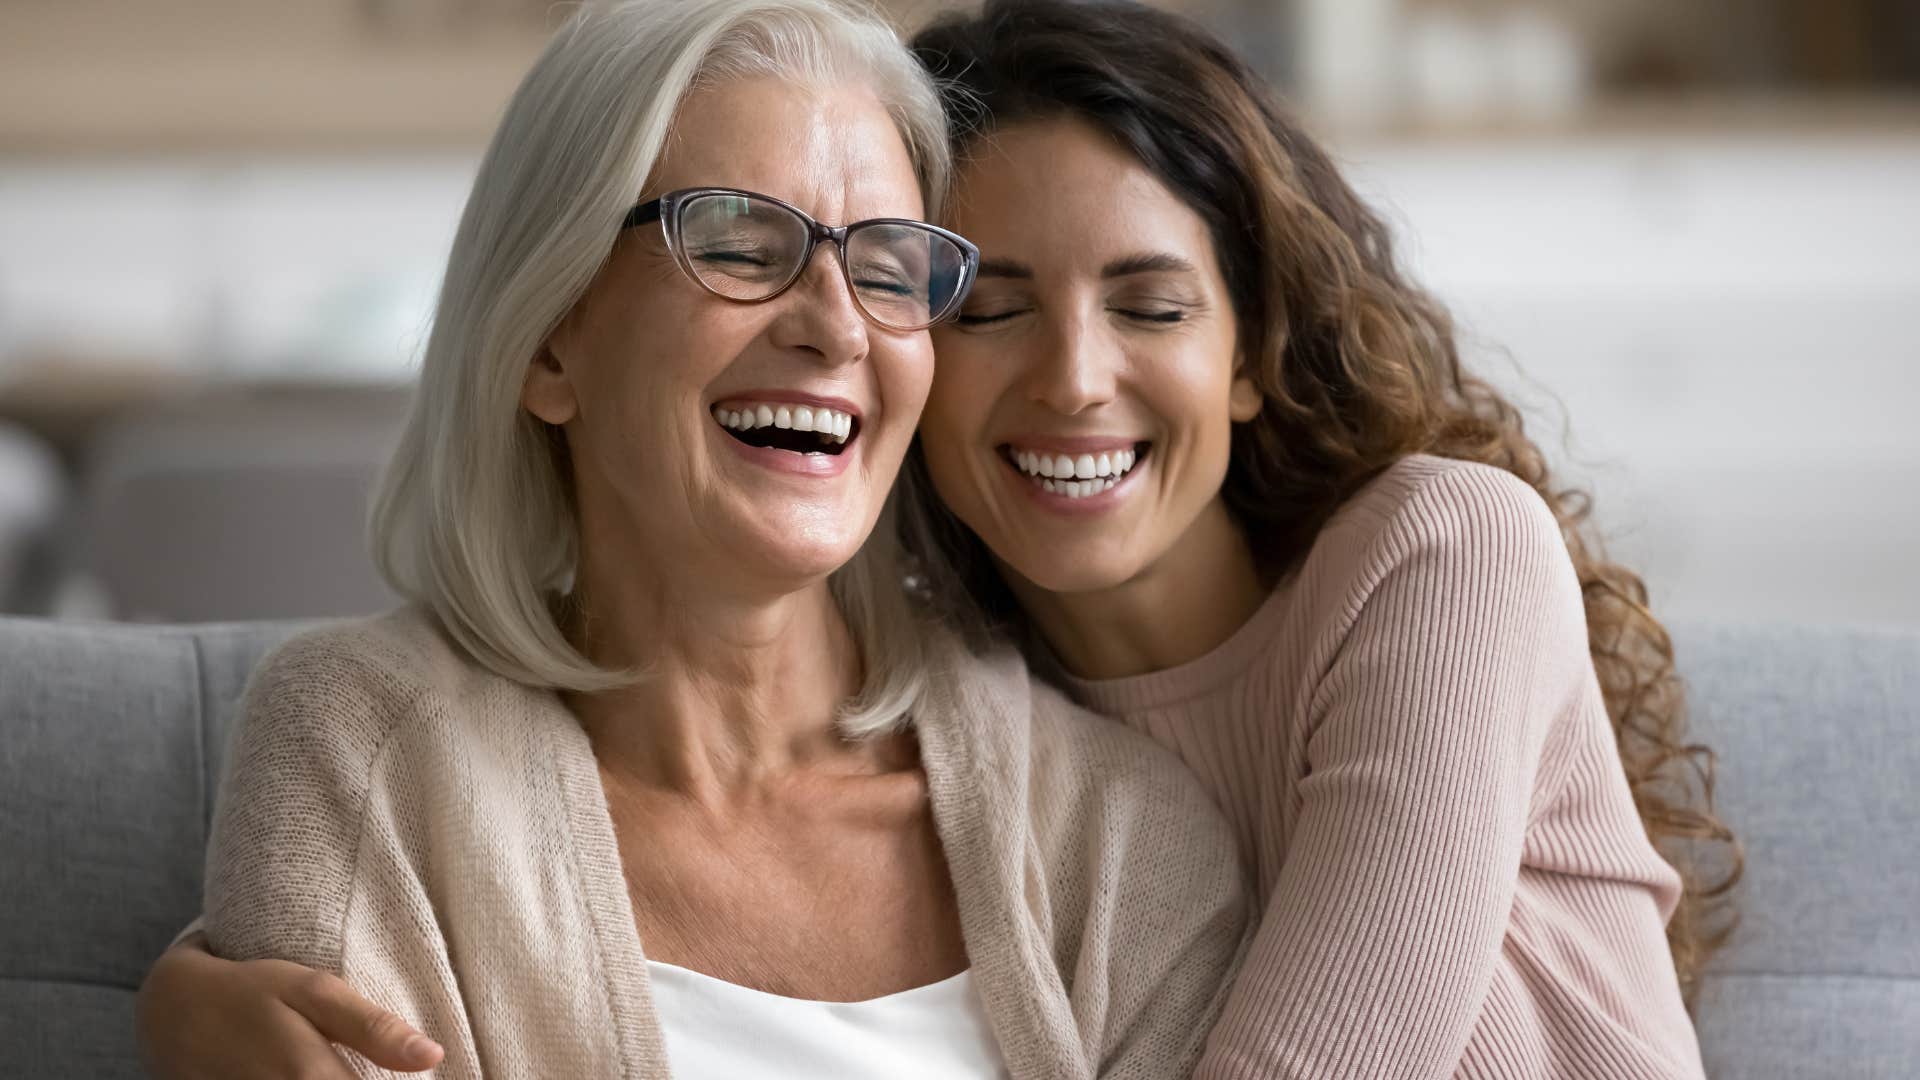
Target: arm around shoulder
1465	639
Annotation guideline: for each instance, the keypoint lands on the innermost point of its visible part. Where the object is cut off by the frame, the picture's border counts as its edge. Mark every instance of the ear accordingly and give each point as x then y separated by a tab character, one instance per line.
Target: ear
547	392
1243	398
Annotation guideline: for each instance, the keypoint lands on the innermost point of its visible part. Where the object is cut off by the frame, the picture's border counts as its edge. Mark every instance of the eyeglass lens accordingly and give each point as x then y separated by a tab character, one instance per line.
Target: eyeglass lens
903	276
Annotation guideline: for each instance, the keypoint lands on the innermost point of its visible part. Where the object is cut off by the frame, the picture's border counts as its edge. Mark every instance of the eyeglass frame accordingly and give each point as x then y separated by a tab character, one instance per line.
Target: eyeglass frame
667	207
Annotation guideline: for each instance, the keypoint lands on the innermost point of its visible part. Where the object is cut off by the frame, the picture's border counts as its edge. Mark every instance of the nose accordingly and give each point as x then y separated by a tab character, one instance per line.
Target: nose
1078	367
818	314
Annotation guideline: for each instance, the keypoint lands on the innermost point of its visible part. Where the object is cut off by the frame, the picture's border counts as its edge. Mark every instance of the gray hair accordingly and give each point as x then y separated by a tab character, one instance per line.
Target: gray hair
475	515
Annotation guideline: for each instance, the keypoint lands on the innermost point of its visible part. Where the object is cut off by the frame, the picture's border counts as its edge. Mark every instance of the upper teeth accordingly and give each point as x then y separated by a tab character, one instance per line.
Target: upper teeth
1114	463
745	416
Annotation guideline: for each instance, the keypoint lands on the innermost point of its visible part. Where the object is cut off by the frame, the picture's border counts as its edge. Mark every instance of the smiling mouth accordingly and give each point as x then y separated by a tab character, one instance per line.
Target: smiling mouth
798	429
1077	476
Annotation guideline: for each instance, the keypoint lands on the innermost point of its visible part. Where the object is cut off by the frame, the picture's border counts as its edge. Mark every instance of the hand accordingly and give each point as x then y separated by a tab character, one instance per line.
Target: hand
204	1018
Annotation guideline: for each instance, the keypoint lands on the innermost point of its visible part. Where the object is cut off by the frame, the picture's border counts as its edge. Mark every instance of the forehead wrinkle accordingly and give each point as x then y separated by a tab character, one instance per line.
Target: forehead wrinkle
837	147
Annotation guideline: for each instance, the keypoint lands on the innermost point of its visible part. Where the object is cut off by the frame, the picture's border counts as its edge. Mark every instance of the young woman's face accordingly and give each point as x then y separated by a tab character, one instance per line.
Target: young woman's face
1082	403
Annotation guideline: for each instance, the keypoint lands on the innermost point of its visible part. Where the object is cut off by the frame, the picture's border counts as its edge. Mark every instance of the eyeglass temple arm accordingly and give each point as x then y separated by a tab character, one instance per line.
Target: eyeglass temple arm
640	215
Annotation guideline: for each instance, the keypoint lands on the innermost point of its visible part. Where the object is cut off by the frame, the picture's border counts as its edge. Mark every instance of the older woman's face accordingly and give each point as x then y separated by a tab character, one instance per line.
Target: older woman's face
641	367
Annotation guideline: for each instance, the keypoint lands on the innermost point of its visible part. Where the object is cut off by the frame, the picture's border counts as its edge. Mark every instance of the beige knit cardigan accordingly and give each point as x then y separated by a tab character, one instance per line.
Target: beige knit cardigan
437	835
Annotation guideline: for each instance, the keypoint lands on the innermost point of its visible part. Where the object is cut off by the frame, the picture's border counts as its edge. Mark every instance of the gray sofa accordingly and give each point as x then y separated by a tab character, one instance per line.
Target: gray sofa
111	739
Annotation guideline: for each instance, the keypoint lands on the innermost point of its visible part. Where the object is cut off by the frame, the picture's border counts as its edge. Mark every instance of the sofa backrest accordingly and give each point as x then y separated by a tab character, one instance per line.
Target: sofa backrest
1818	737
111	740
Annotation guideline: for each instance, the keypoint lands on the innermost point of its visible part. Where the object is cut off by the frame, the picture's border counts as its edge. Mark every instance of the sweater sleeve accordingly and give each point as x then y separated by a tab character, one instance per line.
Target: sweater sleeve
280	859
307	861
1425	731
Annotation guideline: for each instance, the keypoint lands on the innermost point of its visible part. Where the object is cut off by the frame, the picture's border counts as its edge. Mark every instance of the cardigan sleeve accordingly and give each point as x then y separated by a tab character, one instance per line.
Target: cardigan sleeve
308	862
281	855
1177	932
1425	733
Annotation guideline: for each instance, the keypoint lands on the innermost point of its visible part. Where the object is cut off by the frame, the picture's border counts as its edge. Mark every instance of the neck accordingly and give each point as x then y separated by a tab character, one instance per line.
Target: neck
1180	608
737	689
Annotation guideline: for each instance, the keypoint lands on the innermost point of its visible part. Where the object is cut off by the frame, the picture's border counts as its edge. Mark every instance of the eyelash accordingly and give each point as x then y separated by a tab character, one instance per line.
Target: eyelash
983	320
1163	318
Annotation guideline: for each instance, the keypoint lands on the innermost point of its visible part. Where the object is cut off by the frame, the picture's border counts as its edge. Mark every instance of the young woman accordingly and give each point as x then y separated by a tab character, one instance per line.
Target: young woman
1201	446
1197	440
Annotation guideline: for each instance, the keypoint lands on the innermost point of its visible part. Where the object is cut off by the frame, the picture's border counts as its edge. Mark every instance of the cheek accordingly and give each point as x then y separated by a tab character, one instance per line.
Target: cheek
968	380
914	375
905	375
1194	392
944	442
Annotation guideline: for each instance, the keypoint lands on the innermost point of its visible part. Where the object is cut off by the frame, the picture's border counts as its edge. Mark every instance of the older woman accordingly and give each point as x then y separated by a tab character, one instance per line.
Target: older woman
661	765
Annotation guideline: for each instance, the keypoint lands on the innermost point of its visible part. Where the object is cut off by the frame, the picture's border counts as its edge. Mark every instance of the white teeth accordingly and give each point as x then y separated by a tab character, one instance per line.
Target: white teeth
829	424
1075	477
1078	489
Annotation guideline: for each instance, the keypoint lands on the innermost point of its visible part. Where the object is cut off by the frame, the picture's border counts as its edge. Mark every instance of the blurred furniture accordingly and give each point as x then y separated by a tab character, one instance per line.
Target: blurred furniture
111	740
243	503
33	492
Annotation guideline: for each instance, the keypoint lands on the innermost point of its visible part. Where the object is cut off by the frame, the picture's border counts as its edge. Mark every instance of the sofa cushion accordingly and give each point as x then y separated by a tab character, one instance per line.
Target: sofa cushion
1818	739
109	757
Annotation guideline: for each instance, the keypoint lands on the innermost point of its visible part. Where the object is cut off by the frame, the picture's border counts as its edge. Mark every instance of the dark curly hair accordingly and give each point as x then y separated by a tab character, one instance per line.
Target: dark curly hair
1357	366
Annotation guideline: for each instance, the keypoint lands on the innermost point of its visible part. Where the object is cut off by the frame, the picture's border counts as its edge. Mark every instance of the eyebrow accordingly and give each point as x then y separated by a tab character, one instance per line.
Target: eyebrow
1158	262
1004	268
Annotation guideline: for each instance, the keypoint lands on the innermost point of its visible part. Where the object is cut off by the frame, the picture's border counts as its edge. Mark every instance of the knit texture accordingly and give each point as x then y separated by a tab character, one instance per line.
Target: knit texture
1410	743
438	836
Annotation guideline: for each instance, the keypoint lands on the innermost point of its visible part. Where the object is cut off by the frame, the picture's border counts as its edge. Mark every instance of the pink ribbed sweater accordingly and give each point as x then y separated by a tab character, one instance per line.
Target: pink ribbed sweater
1410	743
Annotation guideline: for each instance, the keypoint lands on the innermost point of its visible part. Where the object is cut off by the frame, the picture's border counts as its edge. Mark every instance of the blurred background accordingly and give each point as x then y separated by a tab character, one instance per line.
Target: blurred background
1684	235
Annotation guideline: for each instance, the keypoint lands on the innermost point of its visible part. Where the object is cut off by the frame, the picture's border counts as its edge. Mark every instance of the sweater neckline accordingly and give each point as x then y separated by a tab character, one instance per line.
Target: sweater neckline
964	736
1204	674
958	983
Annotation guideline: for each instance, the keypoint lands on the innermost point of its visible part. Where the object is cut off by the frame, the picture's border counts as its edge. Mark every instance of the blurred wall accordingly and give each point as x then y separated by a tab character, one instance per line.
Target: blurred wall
1703	299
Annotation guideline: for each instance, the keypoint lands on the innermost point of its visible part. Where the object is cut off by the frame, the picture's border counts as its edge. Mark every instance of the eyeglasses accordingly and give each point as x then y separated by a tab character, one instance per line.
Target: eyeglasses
745	247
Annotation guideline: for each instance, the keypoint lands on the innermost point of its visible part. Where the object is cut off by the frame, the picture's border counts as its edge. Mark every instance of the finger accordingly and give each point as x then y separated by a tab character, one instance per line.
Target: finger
342	1015
305	1055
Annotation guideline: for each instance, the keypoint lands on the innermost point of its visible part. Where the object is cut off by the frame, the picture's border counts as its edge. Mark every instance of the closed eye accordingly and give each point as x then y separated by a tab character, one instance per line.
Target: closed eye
1155	316
987	319
891	288
734	258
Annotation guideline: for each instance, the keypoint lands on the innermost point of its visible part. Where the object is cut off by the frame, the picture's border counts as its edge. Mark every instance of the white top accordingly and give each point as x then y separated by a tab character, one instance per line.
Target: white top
717	1030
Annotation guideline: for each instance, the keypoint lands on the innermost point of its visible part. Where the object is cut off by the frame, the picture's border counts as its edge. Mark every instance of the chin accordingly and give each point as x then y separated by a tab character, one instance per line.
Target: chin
1079	576
814	556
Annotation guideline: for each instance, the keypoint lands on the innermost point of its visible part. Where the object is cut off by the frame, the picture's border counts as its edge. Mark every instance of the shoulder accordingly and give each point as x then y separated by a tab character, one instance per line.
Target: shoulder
1062	758
1106	794
343	687
1104	758
300	779
1460	523
1448	501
